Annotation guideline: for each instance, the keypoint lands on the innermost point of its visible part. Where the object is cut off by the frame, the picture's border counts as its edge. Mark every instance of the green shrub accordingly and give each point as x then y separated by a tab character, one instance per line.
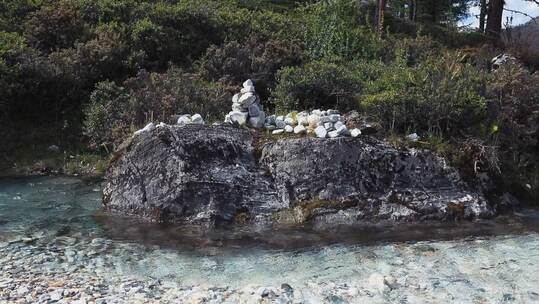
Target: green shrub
106	122
338	30
514	113
316	85
437	95
235	62
114	112
55	26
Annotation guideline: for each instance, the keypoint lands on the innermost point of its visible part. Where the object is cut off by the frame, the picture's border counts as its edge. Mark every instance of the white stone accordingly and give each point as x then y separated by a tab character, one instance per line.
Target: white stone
288	129
248	83
149	127
239	118
334	117
227	118
413	137
317	112
237	107
56	295
254	110
343	131
303	120
197	119
280	117
280	124
333	134
278	131
355	132
338	124
250	89
290	121
184	119
247	99
161	125
300	129
313	119
328	126
331	111
257	121
320	132
236	98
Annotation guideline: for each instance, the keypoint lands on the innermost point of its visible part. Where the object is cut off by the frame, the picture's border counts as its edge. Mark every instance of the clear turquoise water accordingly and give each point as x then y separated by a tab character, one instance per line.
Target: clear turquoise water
482	262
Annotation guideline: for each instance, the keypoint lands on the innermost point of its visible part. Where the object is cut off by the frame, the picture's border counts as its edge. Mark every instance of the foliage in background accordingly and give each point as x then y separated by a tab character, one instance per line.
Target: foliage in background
440	94
103	68
317	84
234	62
114	111
514	120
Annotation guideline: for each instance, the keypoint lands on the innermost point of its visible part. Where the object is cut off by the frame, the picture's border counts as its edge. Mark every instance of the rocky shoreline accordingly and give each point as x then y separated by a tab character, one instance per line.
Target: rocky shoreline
78	270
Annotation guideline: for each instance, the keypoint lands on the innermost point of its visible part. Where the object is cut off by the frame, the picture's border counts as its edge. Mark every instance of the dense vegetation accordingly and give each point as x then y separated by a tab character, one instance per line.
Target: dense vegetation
84	74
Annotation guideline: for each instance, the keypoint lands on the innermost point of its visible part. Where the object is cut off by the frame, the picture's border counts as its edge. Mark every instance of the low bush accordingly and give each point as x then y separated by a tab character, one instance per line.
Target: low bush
339	30
234	62
439	95
114	111
514	127
317	84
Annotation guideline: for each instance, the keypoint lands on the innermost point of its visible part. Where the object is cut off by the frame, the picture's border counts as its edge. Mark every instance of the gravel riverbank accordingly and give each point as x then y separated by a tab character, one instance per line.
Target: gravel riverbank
72	270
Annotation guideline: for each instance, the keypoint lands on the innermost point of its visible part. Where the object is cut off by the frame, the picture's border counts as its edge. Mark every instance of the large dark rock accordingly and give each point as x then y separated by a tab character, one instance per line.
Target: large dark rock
192	174
210	175
346	180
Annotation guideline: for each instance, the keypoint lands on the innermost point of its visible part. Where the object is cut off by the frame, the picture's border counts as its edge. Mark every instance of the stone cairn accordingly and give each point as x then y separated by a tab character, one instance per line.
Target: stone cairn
246	108
247	111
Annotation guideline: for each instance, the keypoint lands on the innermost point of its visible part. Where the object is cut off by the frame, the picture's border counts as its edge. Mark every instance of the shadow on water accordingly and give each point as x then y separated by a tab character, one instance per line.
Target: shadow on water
198	239
64	206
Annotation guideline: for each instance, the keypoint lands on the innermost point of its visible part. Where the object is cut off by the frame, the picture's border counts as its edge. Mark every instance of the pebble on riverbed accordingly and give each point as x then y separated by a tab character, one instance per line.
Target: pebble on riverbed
39	273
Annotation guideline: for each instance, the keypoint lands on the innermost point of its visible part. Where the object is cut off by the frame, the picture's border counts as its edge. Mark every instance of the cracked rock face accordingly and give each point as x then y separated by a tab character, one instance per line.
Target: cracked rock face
191	174
210	175
366	179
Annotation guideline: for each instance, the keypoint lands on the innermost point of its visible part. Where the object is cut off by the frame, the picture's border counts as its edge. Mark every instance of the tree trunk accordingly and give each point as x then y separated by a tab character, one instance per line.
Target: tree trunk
494	20
412	9
482	15
434	11
380	17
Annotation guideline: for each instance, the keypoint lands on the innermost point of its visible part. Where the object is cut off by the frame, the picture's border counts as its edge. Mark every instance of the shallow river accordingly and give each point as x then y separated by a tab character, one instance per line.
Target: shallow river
56	247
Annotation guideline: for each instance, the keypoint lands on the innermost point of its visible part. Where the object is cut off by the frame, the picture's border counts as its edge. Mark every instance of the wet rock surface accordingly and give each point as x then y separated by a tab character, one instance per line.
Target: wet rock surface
210	174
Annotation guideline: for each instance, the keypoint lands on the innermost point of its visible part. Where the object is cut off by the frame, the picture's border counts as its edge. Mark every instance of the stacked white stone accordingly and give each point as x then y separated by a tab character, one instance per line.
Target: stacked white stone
328	123
246	108
188	119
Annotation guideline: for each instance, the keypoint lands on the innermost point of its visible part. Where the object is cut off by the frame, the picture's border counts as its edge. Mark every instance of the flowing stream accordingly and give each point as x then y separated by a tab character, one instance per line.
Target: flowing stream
57	247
